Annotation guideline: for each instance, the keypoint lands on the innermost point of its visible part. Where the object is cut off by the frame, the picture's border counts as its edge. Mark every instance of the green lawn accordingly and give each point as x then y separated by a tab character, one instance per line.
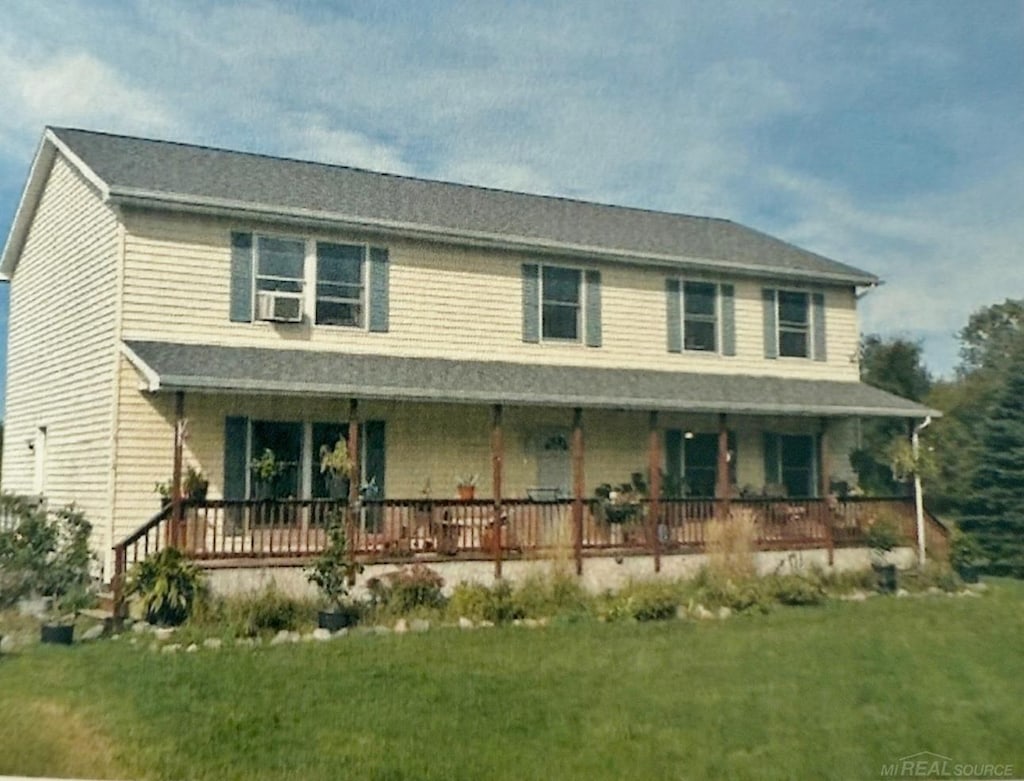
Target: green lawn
830	692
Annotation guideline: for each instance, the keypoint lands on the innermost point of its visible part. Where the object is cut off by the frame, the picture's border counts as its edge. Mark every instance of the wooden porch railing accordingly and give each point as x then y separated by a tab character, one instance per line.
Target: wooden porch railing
395	530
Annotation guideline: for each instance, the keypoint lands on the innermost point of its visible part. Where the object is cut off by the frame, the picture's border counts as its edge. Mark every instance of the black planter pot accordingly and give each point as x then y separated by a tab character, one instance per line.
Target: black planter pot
886	577
333	620
57	634
968	573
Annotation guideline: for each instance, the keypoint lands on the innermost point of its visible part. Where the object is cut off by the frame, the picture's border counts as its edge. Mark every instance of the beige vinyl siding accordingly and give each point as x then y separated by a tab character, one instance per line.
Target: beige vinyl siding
60	370
446	302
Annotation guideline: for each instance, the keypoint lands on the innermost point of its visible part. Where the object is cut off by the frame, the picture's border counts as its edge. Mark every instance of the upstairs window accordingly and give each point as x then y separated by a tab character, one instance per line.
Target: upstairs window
700	316
340	290
279	264
794	324
560	303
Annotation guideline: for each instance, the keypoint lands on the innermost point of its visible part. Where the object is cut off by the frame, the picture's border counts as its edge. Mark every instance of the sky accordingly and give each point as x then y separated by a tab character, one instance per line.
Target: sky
886	135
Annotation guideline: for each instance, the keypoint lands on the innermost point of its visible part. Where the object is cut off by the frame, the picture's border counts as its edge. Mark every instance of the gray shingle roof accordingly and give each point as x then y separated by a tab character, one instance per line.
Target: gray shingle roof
155	171
171	366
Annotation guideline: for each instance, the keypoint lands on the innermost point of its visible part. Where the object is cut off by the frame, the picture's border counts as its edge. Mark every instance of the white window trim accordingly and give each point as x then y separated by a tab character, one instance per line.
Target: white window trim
718	316
364	281
308	292
581	325
778	325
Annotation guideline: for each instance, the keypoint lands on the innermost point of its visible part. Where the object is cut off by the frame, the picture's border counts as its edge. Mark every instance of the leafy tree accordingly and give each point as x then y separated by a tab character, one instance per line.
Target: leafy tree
996	507
990	337
894	365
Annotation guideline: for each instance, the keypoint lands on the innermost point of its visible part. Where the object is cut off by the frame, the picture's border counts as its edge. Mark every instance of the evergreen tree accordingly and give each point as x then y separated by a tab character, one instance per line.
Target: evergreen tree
996	514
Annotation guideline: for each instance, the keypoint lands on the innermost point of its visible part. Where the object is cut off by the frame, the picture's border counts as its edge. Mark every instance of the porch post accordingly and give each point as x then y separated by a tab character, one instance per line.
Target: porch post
497	463
654	467
177	517
825	488
353	482
723	489
578	487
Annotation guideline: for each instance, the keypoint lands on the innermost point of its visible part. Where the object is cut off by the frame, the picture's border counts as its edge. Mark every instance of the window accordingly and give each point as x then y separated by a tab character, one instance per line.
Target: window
692	463
700	318
560	303
279	264
339	284
278	477
794	324
295	280
791	462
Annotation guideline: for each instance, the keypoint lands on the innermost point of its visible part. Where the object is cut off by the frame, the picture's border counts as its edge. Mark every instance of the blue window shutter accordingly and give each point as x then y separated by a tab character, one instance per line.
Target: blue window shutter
531	302
236	432
728	320
673	316
379	299
593	282
771	324
241	278
374	465
772	470
818	306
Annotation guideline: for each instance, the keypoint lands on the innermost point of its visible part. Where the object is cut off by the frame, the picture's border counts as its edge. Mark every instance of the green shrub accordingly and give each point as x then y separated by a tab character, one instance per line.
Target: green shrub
168	586
643	600
558	594
741	594
478	602
407	590
843	582
267	610
933	574
797	589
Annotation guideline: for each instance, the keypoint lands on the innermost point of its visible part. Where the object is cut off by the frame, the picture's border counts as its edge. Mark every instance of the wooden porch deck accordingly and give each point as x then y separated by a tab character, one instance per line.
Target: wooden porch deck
403	530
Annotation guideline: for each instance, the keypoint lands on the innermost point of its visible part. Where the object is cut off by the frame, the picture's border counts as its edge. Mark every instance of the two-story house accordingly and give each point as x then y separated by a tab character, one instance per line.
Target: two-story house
176	306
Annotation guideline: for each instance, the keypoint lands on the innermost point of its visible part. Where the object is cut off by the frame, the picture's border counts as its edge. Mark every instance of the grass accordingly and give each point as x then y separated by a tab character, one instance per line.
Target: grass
826	692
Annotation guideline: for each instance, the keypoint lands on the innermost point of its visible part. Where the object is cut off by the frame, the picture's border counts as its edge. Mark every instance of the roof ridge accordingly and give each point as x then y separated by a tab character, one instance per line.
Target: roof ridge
404	177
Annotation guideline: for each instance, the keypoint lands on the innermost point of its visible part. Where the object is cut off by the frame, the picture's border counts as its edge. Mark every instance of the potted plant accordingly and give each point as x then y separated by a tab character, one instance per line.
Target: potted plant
334	572
67	579
194	487
966	556
336	467
881	537
466	487
266	471
168	586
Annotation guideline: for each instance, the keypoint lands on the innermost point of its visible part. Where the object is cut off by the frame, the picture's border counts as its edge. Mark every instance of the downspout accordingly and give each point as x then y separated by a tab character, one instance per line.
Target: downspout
915	445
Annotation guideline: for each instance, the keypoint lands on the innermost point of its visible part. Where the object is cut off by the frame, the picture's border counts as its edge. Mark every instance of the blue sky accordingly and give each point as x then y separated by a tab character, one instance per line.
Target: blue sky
888	135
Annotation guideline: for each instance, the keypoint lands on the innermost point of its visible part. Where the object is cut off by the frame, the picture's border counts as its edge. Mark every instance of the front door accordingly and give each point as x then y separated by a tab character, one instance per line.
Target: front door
554	465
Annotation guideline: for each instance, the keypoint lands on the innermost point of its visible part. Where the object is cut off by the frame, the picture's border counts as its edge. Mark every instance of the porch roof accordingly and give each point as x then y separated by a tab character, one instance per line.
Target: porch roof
223	369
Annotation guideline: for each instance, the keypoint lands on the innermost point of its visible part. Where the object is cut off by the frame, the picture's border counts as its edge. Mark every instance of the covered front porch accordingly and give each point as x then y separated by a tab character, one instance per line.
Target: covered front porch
564	461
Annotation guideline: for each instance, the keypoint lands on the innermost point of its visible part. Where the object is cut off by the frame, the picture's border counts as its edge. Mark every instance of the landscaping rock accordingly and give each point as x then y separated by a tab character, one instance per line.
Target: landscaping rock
969	594
248	642
702	613
902	593
532	623
8	643
724	612
321	634
284	636
92	633
193	647
486	624
140	626
213	643
382	630
171	648
682	612
163	632
343	632
401	626
979	587
465	623
934	591
419	625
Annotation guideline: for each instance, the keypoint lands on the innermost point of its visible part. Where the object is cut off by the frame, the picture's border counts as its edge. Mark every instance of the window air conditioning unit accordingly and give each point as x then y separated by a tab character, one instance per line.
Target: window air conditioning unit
279	307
